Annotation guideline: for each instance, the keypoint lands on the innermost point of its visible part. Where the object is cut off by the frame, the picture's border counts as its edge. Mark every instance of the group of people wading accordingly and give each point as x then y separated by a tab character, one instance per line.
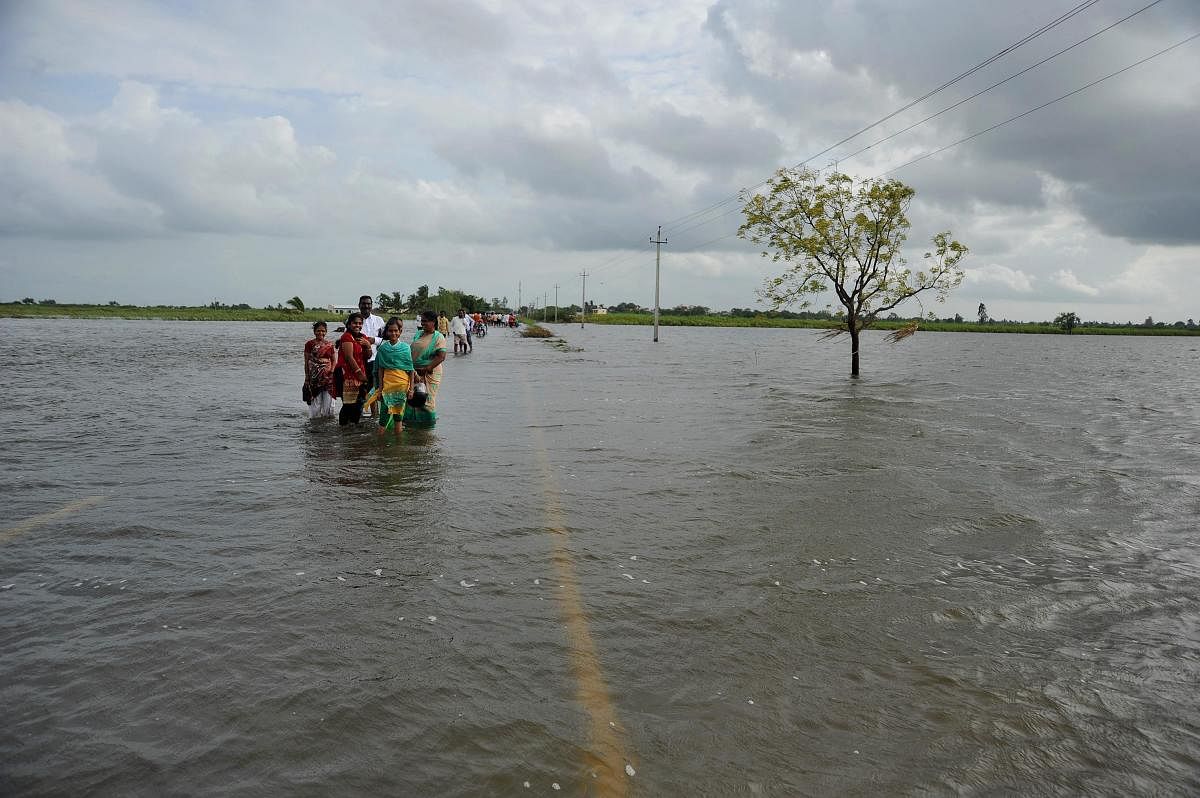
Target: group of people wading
372	371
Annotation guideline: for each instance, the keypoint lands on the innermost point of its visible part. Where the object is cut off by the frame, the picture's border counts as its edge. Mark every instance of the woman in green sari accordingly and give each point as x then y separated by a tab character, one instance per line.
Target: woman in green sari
393	377
428	352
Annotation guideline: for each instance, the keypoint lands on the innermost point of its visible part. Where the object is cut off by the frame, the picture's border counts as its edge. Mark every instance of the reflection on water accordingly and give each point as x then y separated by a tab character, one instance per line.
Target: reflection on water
972	571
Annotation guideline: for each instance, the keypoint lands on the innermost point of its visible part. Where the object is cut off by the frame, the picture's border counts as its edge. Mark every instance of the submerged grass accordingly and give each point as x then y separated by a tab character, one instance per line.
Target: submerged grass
536	331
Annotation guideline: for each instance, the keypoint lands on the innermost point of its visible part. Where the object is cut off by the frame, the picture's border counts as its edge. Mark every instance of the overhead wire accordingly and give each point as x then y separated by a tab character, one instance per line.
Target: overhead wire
1013	118
999	83
1079	8
696	222
1060	98
948	108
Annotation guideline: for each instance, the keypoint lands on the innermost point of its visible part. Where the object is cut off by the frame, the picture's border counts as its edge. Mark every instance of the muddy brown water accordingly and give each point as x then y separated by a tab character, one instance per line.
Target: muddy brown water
973	571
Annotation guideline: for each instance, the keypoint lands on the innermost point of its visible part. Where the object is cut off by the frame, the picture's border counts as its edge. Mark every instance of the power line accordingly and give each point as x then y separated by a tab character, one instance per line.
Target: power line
1081	7
1011	119
704	222
1043	105
1000	83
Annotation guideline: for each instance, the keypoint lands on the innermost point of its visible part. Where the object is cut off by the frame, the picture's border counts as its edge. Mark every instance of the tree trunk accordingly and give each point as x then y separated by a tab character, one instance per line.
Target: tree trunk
853	349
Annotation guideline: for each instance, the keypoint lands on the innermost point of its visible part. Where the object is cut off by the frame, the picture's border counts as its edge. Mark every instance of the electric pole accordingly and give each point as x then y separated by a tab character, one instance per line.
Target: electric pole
583	307
518	296
657	268
556	303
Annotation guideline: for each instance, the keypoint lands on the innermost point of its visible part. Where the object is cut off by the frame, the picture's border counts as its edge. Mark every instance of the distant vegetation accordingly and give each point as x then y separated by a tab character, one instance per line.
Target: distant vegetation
114	310
739	317
623	313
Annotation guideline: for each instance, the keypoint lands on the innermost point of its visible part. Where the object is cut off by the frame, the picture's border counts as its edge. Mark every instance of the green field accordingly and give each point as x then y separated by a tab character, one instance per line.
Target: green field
928	326
226	313
166	312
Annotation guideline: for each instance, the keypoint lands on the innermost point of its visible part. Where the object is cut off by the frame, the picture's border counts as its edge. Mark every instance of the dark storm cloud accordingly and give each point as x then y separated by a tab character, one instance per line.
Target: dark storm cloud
1125	148
692	141
954	183
566	166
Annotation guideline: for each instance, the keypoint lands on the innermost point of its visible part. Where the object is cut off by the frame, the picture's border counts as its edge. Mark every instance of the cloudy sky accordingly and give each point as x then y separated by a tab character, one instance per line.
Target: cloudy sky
181	152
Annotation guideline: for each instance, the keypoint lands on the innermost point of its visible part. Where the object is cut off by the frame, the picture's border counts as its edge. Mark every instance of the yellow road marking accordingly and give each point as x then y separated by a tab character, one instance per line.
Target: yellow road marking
607	753
38	520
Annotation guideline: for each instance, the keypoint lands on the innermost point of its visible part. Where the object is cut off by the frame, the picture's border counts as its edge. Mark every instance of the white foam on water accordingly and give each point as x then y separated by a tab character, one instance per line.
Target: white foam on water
555	786
465	583
433	619
378	572
627	576
629	770
341	579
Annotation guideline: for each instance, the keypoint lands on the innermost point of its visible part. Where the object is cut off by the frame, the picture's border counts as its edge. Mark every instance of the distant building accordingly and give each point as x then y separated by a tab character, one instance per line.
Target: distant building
600	310
343	310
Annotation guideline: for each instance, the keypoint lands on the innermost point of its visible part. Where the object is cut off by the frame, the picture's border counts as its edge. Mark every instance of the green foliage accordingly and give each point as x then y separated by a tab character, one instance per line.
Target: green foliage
297	303
445	300
1067	321
535	331
847	239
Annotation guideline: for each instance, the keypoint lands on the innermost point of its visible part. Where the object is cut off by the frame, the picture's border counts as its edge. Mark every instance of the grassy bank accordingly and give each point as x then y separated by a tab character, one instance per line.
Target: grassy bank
165	312
535	331
928	326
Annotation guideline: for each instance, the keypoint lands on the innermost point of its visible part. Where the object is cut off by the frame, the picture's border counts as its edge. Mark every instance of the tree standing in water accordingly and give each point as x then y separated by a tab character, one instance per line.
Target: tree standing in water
1067	321
983	314
847	239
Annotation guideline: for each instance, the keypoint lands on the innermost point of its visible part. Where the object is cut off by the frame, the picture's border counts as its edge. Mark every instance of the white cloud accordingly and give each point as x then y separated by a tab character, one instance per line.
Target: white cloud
1065	278
548	137
994	274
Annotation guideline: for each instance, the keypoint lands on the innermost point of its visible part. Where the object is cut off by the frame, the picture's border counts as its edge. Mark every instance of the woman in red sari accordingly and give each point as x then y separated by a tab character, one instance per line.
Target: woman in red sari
354	350
319	359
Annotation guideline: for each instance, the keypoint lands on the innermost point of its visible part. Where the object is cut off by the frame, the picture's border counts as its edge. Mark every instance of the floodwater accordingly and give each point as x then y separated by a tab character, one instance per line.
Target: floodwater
712	566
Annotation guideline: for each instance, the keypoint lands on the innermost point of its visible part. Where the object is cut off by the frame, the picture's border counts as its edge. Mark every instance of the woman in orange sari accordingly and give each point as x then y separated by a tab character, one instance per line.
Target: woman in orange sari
428	352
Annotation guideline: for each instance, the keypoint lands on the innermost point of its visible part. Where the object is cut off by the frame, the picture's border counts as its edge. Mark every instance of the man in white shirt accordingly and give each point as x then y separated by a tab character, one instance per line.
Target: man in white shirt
458	328
373	329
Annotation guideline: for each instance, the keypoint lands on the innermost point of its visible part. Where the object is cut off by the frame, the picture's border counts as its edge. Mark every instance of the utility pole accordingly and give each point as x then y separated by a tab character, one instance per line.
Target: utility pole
518	296
545	303
556	303
657	268
583	306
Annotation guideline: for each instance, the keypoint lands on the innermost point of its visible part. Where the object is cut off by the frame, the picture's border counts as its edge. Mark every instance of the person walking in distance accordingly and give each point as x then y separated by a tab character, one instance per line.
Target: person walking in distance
458	327
443	324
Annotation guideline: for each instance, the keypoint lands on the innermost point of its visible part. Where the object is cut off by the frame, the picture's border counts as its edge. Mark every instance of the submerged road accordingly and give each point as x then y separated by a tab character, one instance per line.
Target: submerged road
714	566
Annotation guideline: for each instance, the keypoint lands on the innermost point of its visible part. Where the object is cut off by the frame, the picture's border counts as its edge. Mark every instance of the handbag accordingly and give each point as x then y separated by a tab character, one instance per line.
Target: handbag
420	395
306	393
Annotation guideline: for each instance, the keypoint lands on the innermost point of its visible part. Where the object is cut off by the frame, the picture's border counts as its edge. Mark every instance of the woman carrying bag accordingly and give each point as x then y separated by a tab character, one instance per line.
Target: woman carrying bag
428	352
